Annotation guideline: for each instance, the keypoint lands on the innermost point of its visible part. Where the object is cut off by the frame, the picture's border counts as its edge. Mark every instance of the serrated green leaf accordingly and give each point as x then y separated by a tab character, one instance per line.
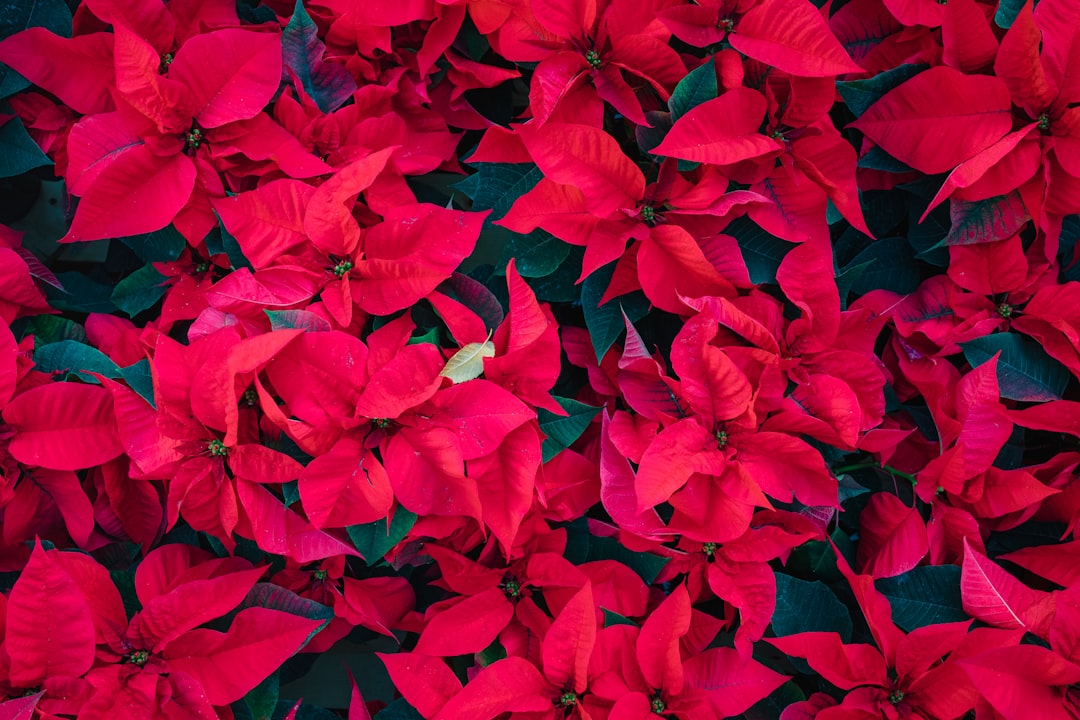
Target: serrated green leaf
373	540
561	285
495	186
859	95
139	290
329	84
562	431
1024	370
18	151
803	606
75	358
927	595
605	323
698	86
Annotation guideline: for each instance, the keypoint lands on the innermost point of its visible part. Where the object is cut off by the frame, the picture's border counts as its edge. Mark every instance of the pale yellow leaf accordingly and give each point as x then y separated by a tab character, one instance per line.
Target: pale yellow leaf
468	362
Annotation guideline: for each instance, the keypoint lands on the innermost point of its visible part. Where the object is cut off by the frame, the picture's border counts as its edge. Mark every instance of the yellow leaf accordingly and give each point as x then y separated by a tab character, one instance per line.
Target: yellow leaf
468	362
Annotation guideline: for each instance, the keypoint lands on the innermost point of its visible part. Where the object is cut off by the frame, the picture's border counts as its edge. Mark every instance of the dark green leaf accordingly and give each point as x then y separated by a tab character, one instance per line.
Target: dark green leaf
985	221
291	319
697	87
139	290
803	606
535	255
561	285
927	595
139	379
304	712
859	95
762	252
18	15
1070	233
647	565
18	151
329	84
83	294
48	329
778	701
893	267
399	710
75	358
878	159
1024	370
373	540
163	245
495	186
1007	12
605	323
262	700
563	431
847	279
613	618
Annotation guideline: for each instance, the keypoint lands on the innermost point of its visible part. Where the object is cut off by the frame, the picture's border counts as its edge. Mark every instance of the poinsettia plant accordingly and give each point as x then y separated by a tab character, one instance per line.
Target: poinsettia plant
539	359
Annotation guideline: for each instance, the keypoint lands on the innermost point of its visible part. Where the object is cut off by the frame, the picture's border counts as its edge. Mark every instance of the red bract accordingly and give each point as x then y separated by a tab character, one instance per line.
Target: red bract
565	354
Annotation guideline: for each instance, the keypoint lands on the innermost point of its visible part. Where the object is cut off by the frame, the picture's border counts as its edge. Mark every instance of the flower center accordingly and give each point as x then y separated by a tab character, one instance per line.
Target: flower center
568	699
648	214
721	439
593	58
1005	310
319	575
657	705
709	548
251	397
217	448
1044	122
727	23
193	140
166	61
896	696
139	657
343	267
381	423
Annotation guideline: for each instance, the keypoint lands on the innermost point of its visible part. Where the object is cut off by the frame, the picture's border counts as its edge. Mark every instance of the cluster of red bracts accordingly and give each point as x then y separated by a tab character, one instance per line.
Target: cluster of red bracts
326	427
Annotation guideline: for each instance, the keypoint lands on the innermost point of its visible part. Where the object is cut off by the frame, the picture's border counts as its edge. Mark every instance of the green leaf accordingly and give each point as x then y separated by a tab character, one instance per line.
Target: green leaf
399	710
139	291
139	379
778	700
495	186
304	712
859	95
262	700
373	540
1024	370
561	285
892	268
605	324
328	84
18	15
647	565
986	221
563	431
273	597
81	294
803	606
847	279
537	254
878	159
762	252
1007	12
613	618
694	89
18	151
75	358
292	319
927	595
163	245
48	329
